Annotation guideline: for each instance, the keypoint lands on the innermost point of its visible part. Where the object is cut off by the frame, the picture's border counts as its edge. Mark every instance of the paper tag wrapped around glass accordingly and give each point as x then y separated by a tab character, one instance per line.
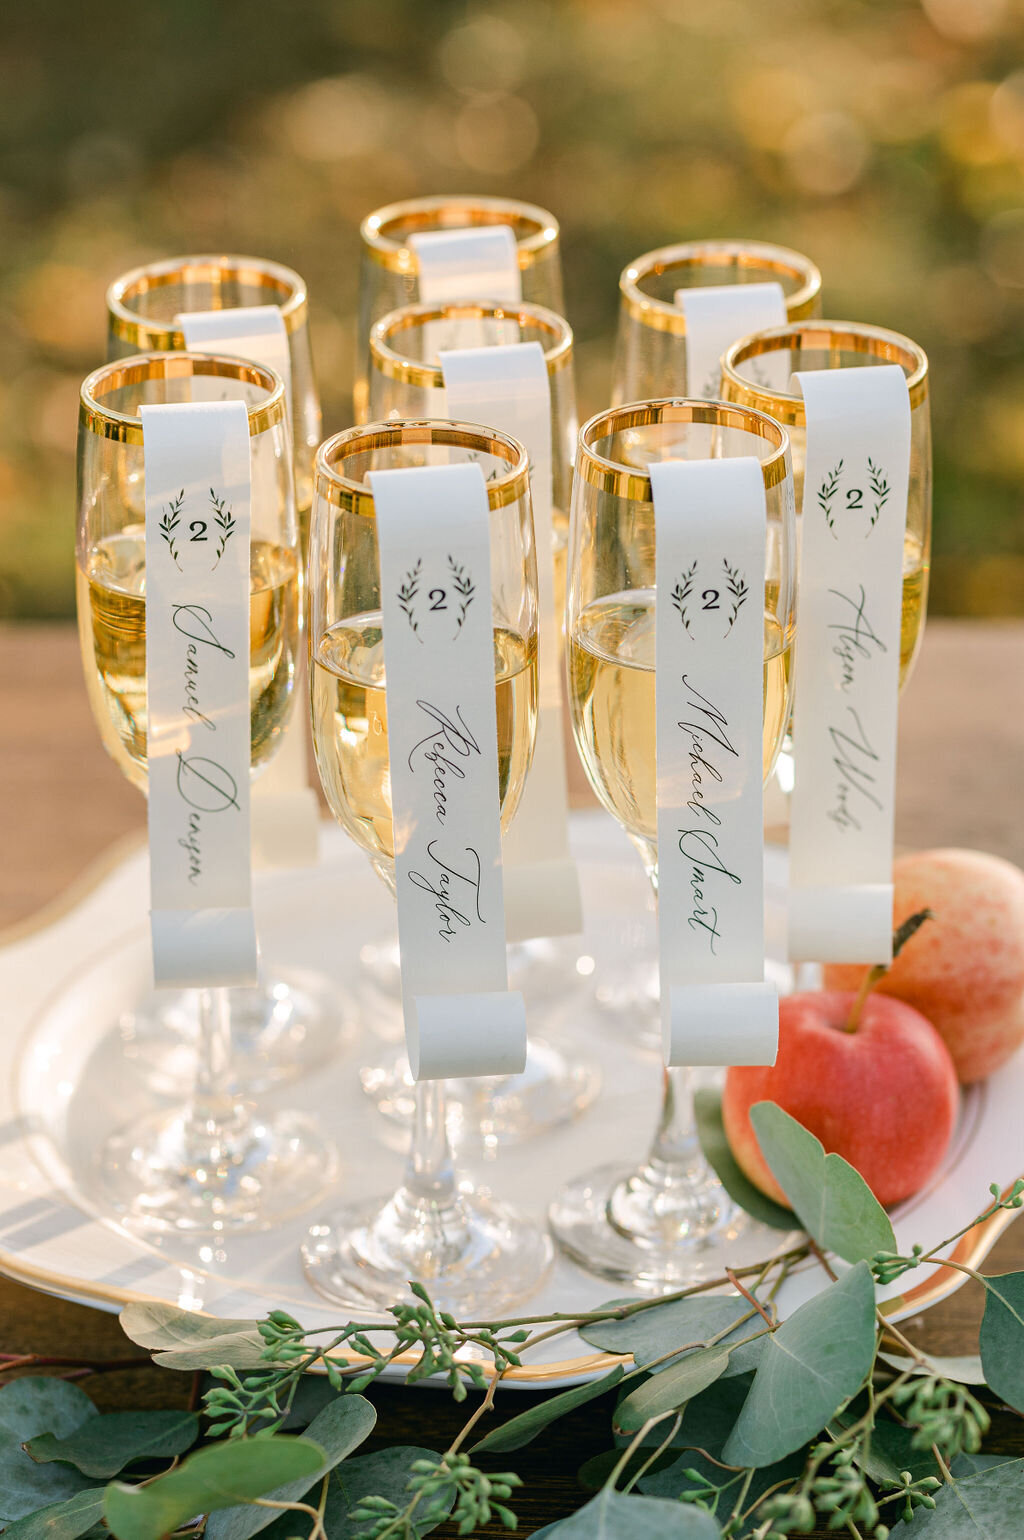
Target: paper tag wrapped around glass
198	496
718	314
478	263
285	811
847	663
433	532
710	526
508	388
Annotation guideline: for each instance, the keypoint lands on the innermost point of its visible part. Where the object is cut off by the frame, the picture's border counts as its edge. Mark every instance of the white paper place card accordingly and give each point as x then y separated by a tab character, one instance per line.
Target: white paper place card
508	388
197	688
718	316
709	681
285	811
848	663
477	263
433	533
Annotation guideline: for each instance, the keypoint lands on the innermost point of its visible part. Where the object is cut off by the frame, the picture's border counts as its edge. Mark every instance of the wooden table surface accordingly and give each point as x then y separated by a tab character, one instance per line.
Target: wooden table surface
961	753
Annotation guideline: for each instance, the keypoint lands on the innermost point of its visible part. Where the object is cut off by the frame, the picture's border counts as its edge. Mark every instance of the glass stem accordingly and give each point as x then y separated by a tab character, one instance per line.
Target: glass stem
430	1169
675	1150
214	1111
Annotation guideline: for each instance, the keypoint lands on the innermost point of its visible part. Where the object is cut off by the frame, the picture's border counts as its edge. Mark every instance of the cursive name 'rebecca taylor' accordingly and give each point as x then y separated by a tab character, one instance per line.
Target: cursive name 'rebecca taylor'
706	726
443	747
439	884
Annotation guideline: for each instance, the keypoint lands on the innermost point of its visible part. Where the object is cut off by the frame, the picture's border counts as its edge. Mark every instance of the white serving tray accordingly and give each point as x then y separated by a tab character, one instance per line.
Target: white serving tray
68	1077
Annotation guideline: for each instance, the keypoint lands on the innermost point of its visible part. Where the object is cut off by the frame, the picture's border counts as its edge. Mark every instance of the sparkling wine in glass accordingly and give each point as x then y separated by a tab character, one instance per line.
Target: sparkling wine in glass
666	1220
213	1162
474	1253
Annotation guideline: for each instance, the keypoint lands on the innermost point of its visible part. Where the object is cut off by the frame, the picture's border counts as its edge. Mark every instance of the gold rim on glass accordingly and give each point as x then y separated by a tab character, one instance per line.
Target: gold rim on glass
627	481
396	365
127	429
822	336
662	316
284	287
357	496
536	229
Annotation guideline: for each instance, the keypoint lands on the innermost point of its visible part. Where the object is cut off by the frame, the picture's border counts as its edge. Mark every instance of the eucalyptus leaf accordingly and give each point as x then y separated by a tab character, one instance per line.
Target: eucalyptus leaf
523	1429
986	1505
182	1339
711	1131
671	1389
219	1476
60	1521
104	1445
709	1418
832	1201
654	1331
811	1366
383	1474
341	1427
620	1516
671	1481
29	1407
966	1370
1002	1337
970	1464
593	1473
890	1449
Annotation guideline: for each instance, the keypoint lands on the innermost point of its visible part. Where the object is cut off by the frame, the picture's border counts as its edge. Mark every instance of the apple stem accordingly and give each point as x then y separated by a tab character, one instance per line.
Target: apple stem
901	936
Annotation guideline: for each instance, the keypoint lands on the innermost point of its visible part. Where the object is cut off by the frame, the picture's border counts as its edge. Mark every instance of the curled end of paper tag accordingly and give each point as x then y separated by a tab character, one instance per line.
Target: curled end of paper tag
204	948
842	925
542	898
451	1036
713	1024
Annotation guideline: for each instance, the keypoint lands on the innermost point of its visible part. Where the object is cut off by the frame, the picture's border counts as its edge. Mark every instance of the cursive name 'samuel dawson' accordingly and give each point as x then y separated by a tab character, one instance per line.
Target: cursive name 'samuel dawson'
195	623
706	729
448	743
856	637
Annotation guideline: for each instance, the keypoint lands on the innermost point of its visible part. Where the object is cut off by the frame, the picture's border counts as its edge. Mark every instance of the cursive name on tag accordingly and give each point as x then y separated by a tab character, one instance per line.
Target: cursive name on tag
477	263
848	662
716	316
508	388
433	532
709	682
197	684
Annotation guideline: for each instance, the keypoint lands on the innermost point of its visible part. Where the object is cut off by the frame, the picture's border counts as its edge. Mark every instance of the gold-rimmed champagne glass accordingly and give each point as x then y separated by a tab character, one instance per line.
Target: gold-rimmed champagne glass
666	1220
780	352
406	380
473	1253
212	1162
389	271
293	1020
650	350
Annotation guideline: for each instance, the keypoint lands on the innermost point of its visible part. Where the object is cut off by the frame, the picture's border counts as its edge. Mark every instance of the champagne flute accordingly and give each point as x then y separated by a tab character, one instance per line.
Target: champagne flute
211	1163
473	1253
781	351
291	1022
406	381
389	273
666	1221
650	350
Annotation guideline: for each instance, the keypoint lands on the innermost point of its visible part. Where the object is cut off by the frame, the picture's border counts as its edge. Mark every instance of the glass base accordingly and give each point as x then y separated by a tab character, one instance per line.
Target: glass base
632	1225
170	1173
289	1026
476	1257
495	1110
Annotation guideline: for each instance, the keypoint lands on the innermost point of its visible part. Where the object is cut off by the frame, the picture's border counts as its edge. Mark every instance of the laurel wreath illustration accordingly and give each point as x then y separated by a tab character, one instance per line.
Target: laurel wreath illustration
465	589
169	523
681	593
736	583
881	489
407	592
224	519
826	492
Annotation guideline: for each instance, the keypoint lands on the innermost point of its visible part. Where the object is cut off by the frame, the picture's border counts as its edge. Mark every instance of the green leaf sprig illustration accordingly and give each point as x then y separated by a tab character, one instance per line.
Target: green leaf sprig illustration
225	521
407	592
826	492
465	589
169	523
880	487
736	583
681	593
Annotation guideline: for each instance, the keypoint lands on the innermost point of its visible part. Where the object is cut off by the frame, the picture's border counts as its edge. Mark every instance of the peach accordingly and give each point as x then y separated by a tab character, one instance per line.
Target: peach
964	969
884	1096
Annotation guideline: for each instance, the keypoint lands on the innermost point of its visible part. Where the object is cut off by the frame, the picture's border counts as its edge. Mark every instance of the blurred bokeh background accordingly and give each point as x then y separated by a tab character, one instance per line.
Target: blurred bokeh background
883	137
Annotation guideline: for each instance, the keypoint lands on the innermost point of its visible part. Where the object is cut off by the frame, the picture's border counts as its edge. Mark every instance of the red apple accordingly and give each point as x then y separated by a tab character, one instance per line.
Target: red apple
884	1096
964	970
